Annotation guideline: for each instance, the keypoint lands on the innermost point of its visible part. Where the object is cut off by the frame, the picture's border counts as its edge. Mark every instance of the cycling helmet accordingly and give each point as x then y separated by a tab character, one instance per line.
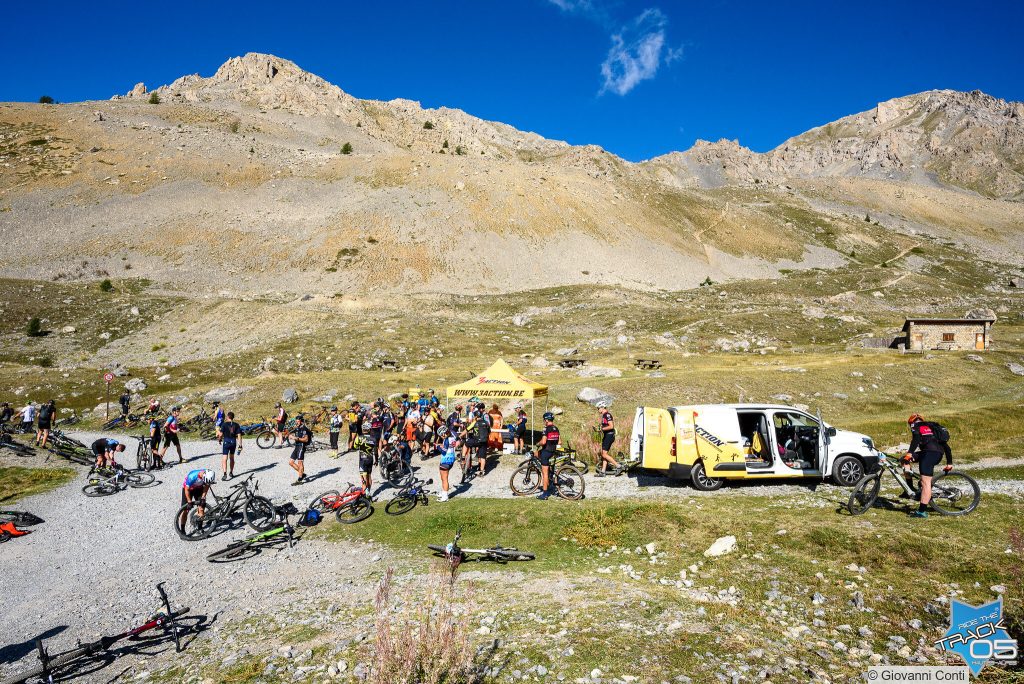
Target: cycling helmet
442	432
300	417
914	418
209	476
602	404
277	405
549	416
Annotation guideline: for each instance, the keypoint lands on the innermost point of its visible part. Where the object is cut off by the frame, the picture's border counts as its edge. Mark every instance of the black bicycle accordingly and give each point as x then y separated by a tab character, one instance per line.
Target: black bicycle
566	479
393	467
107	481
164	619
953	493
280	531
406	498
10	444
197	520
457	555
144	458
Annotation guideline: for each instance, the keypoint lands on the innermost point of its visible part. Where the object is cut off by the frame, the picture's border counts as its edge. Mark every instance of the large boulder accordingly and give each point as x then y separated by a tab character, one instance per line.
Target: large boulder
567	351
1015	368
981	314
290	396
225	394
594	396
136	385
721	547
1017	282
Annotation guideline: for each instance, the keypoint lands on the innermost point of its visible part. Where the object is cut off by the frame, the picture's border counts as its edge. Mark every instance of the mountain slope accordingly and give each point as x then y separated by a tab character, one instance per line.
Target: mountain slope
240	183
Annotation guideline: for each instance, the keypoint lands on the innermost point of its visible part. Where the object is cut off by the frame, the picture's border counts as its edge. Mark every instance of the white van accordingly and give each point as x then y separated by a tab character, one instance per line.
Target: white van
710	443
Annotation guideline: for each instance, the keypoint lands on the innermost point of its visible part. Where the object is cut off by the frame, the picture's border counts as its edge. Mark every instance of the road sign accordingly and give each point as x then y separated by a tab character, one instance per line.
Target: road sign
108	378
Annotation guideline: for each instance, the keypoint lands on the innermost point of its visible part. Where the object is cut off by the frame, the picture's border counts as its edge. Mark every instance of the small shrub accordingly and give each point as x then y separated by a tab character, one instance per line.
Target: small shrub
346	148
331	269
45	362
459	150
427	126
127	267
359	124
234	125
708	282
35	327
37	142
106	285
444	145
867	218
45	99
158	347
154	98
372	240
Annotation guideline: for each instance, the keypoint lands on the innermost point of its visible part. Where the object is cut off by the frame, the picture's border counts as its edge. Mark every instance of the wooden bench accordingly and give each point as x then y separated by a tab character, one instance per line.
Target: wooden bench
387	364
571	363
648	364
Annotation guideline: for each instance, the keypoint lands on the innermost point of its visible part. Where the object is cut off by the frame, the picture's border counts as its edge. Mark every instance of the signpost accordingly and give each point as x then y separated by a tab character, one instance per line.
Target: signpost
107	378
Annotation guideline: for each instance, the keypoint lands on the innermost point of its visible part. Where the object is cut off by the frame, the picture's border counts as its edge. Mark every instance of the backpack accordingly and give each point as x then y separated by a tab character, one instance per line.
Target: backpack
45	413
941	433
310	518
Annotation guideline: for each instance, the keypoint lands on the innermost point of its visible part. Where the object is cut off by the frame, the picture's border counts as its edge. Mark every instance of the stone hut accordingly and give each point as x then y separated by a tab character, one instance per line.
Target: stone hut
946	334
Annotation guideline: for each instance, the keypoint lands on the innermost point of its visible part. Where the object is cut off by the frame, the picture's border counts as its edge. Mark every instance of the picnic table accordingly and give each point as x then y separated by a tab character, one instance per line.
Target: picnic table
648	364
571	363
387	364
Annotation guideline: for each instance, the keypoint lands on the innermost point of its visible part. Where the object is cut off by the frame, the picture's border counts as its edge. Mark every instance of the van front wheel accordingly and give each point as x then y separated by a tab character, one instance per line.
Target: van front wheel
847	471
702	481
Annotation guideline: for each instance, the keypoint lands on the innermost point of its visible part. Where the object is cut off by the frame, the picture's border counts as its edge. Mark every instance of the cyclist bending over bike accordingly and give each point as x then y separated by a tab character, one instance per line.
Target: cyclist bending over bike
104	449
195	488
927	447
548	444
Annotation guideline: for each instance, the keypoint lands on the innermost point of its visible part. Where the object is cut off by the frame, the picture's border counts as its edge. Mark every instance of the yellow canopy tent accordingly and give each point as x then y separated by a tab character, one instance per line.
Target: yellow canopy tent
500	382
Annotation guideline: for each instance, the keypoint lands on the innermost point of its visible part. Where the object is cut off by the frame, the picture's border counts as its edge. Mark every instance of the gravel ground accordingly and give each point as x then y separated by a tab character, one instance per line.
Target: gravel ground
99	559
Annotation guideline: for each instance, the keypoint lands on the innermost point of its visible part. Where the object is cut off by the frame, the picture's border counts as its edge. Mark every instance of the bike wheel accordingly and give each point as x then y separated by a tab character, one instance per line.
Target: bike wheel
401	503
190	526
265	439
955	493
580	465
139	479
232	550
864	494
569	483
260	514
437	548
99	489
398	473
325	502
510	554
360	509
525	480
142	459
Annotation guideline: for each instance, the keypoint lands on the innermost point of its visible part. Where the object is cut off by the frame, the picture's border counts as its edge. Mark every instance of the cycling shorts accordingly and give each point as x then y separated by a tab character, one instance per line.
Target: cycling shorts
154	442
365	463
44	424
195	491
928	461
228	447
607	440
545	457
299	452
280	425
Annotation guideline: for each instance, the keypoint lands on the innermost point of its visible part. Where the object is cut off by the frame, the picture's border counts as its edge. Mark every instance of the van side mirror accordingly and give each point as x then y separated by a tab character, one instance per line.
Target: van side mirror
831	432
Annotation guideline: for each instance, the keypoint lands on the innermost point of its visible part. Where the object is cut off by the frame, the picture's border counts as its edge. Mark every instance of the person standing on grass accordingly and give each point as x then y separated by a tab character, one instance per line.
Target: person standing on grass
154	440
355	423
46	414
548	444
28	417
171	434
607	427
126	402
230	436
302	436
334	430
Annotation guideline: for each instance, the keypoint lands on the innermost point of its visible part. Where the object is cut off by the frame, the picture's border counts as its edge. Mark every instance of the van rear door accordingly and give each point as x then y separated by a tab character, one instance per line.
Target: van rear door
658	432
636	442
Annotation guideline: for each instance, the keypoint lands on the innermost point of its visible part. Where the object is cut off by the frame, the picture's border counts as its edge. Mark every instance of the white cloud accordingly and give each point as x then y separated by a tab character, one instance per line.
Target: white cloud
637	51
573	5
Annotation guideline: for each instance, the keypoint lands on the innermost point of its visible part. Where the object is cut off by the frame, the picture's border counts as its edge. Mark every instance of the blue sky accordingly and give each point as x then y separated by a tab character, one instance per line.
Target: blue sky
638	78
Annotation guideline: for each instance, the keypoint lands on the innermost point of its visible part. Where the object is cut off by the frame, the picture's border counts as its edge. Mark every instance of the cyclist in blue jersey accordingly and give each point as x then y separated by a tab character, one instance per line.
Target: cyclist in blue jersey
104	449
195	488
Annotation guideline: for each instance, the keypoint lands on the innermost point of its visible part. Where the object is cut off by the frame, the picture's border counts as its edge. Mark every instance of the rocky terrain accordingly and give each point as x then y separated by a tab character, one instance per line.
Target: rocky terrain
264	178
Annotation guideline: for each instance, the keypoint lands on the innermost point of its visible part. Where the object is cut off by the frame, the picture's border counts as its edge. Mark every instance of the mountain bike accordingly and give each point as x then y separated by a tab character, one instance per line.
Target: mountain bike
457	555
251	545
349	506
257	510
22	518
75	454
393	467
953	493
59	437
144	453
250	428
123	421
107	481
267	438
406	498
70	420
164	619
565	456
9	443
566	479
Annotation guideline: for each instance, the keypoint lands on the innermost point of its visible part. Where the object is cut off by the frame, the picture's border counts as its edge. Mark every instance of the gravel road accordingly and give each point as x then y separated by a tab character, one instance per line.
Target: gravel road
93	566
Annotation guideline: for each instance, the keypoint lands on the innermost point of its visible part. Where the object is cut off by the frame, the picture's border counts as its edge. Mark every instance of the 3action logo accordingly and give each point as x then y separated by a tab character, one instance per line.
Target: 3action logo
977	634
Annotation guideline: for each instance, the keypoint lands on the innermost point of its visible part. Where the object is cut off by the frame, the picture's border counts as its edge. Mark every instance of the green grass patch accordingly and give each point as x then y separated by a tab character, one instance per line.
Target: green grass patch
17	482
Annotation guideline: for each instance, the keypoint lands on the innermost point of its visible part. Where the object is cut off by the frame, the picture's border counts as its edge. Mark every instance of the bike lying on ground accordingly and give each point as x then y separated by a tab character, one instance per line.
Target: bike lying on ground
456	555
406	498
252	544
567	480
953	493
198	519
107	481
165	619
69	448
350	506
